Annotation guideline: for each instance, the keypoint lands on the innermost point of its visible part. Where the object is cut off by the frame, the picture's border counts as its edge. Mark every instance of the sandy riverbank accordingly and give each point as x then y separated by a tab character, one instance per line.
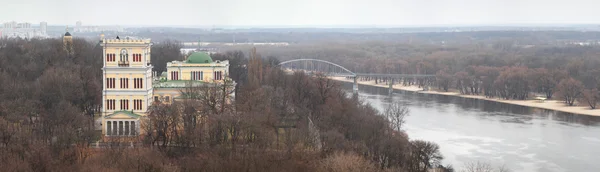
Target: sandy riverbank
548	104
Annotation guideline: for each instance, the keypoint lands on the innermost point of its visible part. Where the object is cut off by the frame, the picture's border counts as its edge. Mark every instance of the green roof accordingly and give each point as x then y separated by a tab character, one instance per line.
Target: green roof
177	83
199	57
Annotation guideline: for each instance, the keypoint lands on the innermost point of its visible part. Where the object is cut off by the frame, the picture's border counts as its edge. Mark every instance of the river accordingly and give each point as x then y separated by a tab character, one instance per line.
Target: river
518	137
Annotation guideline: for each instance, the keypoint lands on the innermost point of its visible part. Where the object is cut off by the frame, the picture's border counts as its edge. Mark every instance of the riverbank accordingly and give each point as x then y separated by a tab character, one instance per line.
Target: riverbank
548	104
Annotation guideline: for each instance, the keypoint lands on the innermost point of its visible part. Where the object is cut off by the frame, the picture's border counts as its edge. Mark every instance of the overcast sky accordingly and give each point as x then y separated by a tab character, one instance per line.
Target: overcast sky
302	12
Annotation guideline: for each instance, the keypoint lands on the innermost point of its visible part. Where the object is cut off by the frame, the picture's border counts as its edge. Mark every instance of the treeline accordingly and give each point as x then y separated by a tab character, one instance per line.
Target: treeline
277	121
500	69
311	36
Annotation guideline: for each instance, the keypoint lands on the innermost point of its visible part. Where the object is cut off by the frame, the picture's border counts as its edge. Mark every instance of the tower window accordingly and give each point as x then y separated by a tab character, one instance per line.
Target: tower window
124	55
110	82
110	104
137	57
124	104
124	82
138	83
137	104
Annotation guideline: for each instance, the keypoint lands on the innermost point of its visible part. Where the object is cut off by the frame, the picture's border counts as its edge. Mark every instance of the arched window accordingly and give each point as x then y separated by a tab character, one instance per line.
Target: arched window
124	55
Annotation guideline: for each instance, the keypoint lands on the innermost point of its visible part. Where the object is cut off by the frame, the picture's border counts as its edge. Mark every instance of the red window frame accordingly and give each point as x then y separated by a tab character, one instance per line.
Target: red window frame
124	82
137	104
218	75
174	75
110	82
138	83
124	104
137	57
110	104
110	57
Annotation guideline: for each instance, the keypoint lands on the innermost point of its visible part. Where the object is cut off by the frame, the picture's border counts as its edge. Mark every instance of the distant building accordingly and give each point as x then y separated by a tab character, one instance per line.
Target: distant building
10	25
44	27
68	42
209	50
24	25
22	30
78	25
80	28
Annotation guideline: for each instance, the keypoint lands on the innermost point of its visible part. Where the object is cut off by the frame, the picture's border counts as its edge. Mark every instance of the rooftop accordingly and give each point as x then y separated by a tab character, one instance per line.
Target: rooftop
127	41
199	57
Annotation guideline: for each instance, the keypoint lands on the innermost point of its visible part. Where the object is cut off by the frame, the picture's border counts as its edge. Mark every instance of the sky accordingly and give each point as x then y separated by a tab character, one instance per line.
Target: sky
319	13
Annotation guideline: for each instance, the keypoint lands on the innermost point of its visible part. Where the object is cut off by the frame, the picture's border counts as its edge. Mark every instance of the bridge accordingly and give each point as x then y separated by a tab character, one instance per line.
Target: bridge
335	70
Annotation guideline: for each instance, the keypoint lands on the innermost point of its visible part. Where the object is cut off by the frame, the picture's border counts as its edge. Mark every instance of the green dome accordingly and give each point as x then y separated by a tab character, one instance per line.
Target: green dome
199	57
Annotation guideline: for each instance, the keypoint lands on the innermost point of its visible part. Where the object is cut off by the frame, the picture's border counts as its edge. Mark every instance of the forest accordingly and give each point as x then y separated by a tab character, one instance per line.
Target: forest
418	36
499	69
277	121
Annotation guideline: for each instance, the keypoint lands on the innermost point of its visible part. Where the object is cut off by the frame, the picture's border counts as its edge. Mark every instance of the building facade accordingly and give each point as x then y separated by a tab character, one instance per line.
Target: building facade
127	85
198	69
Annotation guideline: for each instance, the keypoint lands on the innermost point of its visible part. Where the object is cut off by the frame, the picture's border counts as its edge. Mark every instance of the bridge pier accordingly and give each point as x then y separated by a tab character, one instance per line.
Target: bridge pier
391	86
355	85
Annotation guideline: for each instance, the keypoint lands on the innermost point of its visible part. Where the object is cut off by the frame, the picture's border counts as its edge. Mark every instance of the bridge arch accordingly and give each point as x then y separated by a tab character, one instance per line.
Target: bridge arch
342	68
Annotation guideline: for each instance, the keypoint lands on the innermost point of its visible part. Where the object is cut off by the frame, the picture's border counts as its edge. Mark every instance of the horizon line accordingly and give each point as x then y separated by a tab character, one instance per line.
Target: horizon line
358	26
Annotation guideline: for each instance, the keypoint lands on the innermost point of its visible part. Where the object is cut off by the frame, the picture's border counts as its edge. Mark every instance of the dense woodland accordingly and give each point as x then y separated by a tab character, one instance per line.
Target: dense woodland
277	121
418	36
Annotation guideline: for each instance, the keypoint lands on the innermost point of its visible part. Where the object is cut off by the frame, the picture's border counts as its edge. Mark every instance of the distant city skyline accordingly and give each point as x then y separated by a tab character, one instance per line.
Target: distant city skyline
303	13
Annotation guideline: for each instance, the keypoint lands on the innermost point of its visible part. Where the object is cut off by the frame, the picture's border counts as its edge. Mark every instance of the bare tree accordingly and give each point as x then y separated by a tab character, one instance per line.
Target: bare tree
164	120
482	167
423	156
396	113
570	90
591	96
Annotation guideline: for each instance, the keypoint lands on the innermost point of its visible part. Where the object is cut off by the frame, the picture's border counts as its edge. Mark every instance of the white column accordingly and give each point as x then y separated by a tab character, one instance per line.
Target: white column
144	57
130	102
130	80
